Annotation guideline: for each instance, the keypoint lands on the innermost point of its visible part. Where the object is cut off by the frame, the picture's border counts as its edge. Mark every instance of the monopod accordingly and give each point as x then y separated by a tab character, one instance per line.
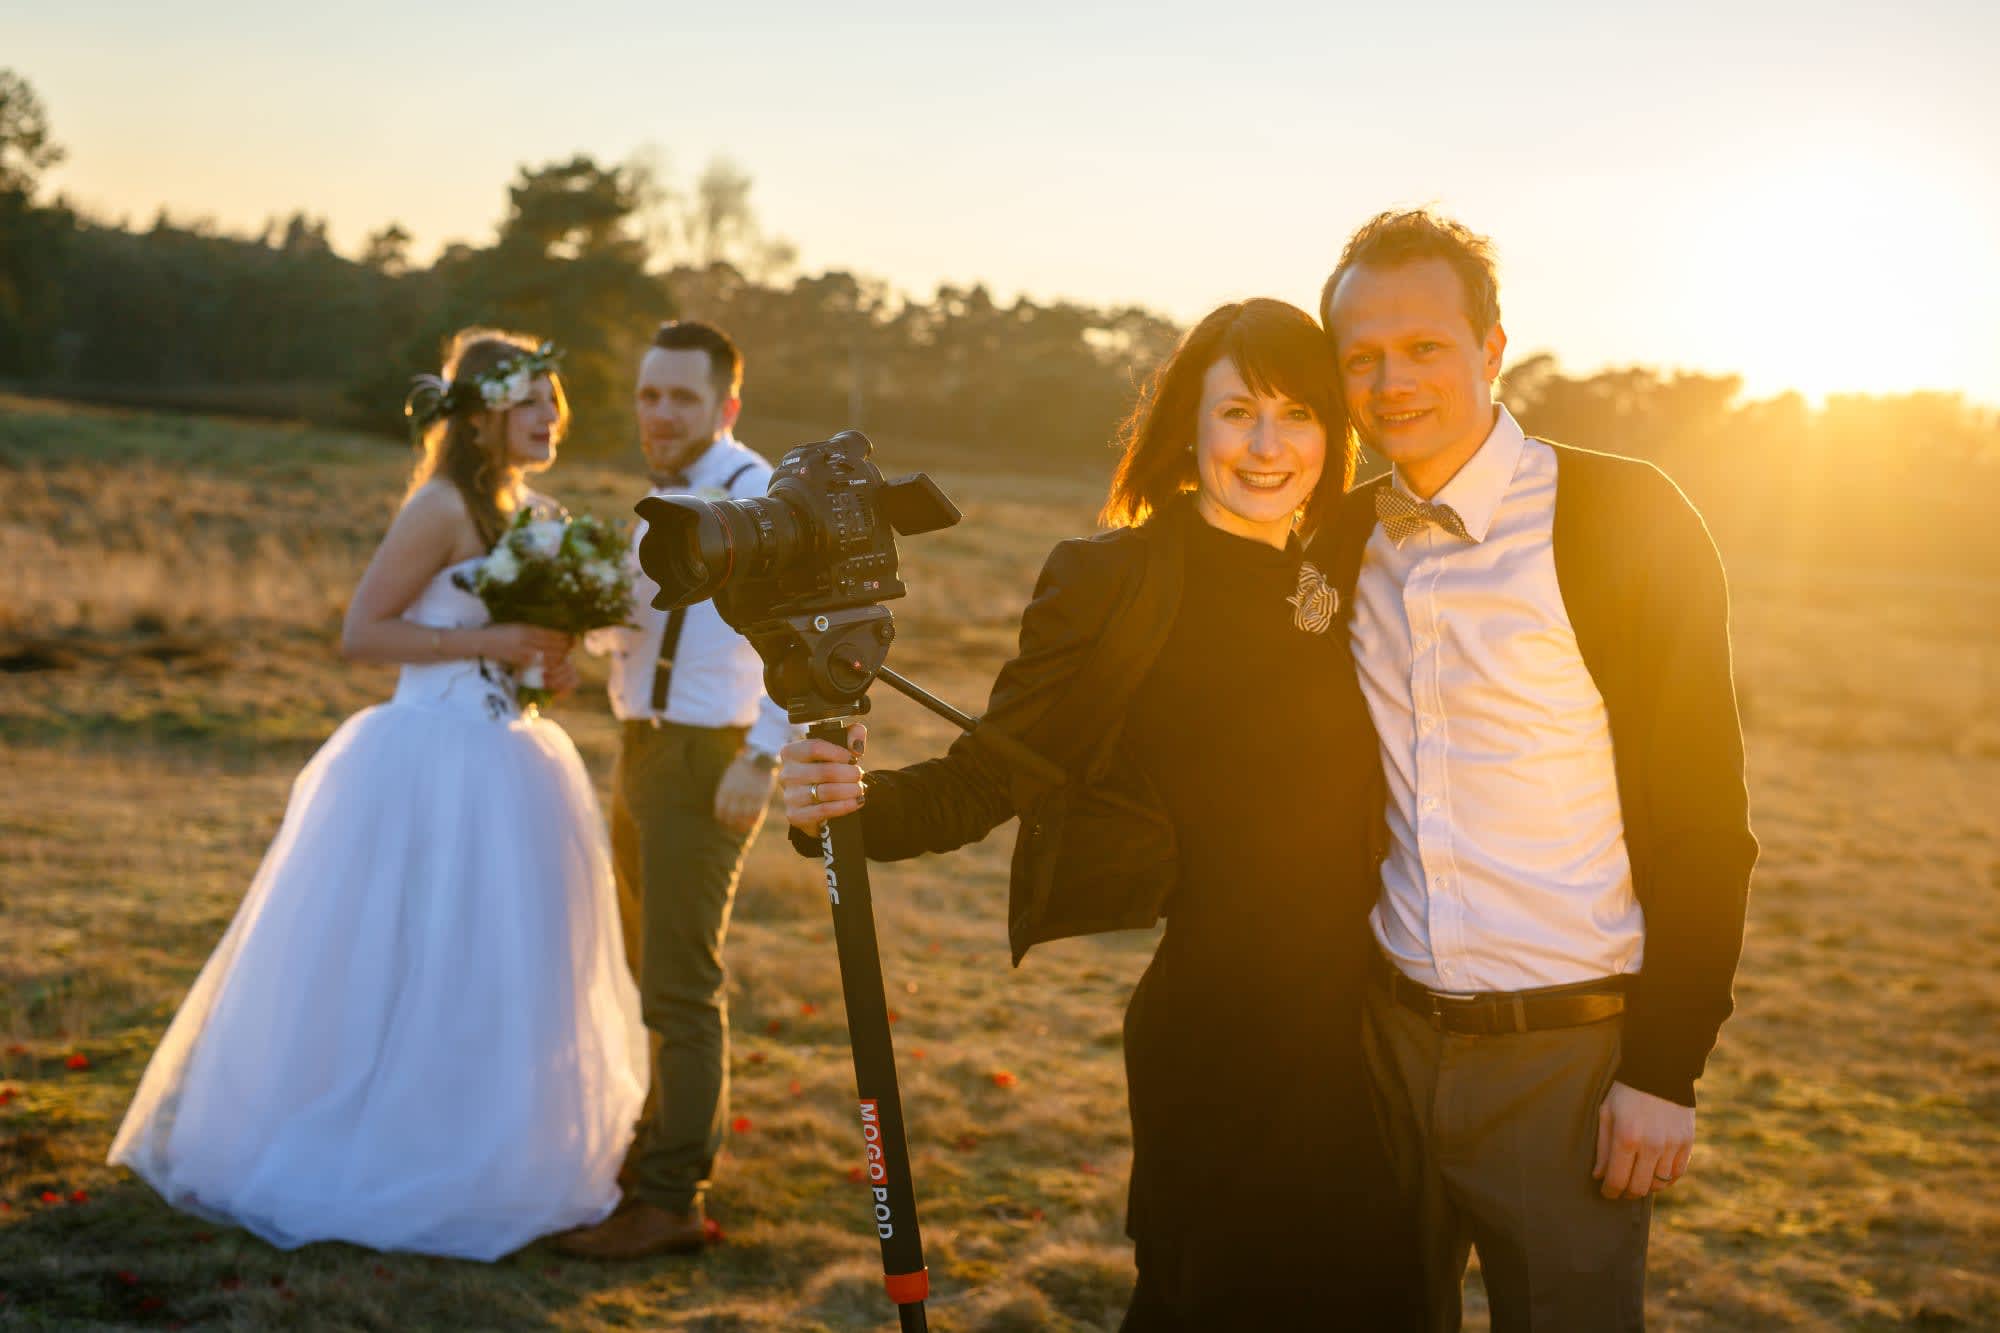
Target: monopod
891	1188
802	574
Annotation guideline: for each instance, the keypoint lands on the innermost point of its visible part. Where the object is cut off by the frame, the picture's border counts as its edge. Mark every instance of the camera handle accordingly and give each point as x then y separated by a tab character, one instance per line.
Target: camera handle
892	1193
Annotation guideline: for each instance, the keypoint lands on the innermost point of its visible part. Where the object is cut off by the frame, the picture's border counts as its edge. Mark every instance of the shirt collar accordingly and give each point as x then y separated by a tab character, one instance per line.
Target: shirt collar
1474	494
707	467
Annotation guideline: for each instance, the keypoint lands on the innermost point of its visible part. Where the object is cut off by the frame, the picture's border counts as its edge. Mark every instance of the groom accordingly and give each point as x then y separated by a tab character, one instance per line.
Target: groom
695	765
1541	634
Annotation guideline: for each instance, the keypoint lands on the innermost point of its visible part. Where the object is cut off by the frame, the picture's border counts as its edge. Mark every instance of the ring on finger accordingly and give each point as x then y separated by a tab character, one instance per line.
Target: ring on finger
1666	1180
812	792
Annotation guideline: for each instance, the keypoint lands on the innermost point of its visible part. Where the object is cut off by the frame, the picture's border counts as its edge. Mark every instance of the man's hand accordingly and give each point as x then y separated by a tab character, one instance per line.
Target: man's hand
742	795
1643	1143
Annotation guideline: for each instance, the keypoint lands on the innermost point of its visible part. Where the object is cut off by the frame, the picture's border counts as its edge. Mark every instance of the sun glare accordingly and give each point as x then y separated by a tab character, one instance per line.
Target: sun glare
1831	273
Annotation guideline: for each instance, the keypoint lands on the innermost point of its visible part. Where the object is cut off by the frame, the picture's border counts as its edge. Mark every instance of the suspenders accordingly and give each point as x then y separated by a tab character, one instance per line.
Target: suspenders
670	639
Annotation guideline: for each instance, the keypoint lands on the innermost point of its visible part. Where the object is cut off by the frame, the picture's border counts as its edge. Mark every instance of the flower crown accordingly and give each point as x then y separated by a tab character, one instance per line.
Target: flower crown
508	384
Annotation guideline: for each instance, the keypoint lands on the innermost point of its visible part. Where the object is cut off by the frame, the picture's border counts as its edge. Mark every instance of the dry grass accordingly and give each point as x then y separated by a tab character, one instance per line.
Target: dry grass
167	631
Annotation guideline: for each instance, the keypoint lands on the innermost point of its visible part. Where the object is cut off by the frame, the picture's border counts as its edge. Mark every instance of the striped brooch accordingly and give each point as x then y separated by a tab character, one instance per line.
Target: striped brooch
1316	602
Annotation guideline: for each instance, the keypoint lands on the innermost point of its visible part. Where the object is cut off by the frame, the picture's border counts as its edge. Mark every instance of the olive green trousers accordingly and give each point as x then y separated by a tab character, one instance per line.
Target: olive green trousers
677	870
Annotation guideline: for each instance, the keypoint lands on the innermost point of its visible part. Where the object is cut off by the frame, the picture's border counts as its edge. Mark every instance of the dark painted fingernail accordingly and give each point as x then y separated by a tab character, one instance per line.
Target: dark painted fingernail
860	744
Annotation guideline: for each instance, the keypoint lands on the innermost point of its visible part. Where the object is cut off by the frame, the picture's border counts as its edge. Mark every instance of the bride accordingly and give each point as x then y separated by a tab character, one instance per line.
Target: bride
419	1033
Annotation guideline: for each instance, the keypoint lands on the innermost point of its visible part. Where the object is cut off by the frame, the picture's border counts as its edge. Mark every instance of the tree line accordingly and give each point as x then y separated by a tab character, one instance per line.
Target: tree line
180	313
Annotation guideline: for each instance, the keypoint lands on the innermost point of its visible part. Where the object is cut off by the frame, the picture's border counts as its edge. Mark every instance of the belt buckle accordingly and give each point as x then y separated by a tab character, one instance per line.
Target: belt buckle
1437	1009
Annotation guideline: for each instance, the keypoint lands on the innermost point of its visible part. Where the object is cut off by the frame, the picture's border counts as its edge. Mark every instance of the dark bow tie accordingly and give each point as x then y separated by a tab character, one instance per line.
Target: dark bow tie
1403	516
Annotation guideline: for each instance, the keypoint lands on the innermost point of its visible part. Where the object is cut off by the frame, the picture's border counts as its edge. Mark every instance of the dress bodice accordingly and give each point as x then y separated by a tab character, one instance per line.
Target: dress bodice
469	684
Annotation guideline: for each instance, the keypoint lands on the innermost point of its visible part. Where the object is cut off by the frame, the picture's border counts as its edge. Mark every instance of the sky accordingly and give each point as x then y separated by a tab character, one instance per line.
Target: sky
1804	194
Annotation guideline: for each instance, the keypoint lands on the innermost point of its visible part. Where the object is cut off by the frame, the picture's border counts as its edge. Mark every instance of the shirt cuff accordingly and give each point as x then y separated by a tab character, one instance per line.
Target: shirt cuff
610	639
772	730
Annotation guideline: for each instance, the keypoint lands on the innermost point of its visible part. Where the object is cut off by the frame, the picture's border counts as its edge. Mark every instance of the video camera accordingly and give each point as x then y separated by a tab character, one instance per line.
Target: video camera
801	571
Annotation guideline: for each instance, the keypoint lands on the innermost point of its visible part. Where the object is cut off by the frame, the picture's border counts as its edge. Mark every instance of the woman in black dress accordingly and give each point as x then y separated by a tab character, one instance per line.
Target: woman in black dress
1188	672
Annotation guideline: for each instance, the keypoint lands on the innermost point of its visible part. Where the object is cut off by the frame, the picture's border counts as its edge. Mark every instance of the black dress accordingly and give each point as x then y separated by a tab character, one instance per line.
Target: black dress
1261	1194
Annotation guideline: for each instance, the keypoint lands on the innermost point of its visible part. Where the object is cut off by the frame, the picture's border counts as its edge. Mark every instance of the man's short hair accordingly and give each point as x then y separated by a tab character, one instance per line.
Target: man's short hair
725	362
1389	240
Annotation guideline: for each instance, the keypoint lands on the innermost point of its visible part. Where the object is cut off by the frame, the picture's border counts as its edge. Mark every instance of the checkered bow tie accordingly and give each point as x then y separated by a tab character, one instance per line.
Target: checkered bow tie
1404	517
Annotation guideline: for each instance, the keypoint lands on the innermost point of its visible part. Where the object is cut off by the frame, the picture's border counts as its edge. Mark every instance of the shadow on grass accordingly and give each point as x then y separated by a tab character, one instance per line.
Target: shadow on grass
123	1258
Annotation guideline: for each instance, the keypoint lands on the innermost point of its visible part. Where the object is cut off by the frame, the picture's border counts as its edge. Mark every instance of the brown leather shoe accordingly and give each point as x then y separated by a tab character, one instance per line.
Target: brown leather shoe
636	1232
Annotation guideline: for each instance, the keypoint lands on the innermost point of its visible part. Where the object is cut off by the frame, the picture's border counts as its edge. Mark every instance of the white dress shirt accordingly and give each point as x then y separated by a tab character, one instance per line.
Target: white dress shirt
718	679
1507	866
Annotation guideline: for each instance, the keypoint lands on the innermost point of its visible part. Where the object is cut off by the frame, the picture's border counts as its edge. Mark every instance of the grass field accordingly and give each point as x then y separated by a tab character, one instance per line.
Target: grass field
168	623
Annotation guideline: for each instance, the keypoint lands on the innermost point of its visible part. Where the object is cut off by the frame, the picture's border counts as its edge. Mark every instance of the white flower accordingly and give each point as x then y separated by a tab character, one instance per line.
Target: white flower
543	537
600	572
507	391
501	567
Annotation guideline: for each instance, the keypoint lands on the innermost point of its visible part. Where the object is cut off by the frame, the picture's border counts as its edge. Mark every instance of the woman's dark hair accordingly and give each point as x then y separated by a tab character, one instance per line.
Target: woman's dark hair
1278	349
466	448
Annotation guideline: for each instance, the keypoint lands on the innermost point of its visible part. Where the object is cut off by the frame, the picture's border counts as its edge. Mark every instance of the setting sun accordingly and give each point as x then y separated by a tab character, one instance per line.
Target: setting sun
1838	271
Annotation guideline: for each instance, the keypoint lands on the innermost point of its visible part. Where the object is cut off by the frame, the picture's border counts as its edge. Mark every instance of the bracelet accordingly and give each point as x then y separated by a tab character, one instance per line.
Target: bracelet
761	759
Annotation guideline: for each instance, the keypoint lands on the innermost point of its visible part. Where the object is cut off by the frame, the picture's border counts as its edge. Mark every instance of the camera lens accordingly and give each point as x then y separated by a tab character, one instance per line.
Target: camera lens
765	536
692	547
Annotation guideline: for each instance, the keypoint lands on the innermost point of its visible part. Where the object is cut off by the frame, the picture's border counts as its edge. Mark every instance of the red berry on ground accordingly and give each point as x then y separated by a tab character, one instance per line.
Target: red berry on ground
78	1061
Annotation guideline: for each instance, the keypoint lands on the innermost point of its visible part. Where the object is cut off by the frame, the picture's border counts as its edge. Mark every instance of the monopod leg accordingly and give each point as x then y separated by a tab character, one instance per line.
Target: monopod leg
892	1194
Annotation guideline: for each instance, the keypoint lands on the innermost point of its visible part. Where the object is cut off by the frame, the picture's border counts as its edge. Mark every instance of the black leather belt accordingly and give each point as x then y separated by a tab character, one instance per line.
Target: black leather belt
1497	1013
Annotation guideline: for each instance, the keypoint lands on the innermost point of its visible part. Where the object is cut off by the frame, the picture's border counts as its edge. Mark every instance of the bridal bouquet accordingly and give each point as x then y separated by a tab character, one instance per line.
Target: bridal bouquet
564	573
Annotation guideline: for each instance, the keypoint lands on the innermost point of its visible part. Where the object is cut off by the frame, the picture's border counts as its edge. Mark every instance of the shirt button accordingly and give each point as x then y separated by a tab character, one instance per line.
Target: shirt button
1430	802
1425	722
1441	881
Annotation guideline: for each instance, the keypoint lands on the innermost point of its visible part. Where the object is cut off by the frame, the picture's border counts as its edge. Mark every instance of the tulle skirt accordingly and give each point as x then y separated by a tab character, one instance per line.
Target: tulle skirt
420	1032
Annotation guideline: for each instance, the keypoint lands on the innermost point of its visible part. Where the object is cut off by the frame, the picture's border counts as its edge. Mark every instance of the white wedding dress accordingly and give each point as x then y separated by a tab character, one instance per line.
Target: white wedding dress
420	1032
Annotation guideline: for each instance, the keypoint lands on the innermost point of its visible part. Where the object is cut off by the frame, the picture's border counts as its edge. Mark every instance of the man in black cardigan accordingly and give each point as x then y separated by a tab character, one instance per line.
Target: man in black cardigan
1542	636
